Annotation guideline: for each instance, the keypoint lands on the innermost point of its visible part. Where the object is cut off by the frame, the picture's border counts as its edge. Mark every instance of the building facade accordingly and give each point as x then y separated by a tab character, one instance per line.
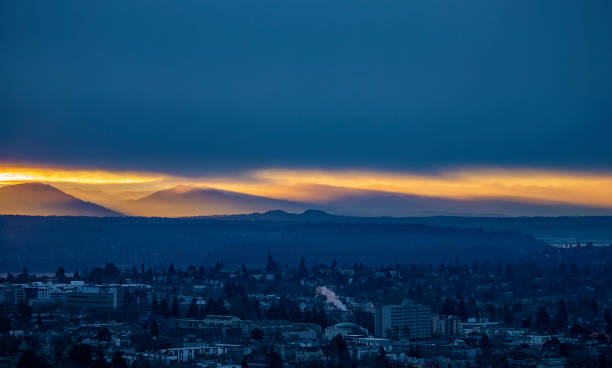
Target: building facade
404	321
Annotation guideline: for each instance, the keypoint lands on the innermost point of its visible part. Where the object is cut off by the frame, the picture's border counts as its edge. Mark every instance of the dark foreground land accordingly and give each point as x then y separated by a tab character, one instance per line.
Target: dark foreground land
42	243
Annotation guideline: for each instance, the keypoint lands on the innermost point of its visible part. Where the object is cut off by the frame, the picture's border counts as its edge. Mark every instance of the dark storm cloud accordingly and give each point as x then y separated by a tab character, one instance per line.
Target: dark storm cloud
196	86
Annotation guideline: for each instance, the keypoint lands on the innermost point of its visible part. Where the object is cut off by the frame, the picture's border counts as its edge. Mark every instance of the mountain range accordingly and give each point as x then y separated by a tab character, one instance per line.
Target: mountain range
187	201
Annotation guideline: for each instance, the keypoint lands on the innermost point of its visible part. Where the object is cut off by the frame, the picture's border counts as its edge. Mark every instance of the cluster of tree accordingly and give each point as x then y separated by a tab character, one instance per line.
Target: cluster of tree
163	309
78	356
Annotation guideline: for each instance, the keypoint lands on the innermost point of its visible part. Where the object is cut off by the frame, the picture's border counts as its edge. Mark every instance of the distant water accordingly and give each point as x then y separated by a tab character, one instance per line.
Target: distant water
38	274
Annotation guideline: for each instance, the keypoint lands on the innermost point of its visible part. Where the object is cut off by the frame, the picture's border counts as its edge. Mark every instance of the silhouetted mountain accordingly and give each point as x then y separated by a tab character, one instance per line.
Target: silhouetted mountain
309	215
357	202
185	201
42	243
551	229
46	200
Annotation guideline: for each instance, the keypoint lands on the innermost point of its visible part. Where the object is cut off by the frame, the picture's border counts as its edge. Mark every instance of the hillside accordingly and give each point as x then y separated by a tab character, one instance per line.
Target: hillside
44	243
46	200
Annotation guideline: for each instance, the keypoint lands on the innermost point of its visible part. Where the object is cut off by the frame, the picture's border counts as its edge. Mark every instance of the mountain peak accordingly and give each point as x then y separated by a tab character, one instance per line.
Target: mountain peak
181	188
315	213
46	200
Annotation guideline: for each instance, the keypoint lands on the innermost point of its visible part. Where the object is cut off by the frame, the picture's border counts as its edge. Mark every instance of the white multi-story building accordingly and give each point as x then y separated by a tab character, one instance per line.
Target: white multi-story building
404	321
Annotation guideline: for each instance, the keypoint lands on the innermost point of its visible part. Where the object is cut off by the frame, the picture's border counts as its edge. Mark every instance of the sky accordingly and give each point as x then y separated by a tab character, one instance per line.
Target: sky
513	93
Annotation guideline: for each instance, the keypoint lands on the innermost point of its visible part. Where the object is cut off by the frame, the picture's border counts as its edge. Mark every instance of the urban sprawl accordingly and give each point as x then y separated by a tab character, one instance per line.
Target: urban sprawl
550	309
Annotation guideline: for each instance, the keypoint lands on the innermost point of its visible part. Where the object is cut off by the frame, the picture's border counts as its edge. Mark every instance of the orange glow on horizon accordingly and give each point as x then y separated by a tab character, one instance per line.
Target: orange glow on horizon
319	186
12	175
528	185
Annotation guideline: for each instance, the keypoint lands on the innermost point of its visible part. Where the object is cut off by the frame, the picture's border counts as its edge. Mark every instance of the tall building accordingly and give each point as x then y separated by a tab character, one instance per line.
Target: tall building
445	325
407	320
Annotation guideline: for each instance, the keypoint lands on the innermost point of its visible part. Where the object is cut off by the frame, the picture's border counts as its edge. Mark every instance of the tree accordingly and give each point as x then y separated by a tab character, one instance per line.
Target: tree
5	323
302	270
542	319
25	312
382	361
257	334
154	328
118	361
141	362
76	276
163	308
110	273
193	311
30	360
103	334
155	307
82	354
273	359
338	352
560	320
272	265
171	271
577	329
24	276
60	274
406	332
174	312
484	342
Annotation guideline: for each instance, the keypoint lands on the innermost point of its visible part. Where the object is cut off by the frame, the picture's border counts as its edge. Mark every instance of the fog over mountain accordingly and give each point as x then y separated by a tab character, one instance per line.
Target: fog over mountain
46	200
185	201
188	201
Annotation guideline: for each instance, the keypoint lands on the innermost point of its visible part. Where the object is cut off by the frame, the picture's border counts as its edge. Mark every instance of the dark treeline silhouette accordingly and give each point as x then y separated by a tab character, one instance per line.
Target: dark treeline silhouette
76	242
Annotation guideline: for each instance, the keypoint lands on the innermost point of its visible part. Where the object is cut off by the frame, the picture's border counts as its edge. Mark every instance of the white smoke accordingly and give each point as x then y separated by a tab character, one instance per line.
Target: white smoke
330	297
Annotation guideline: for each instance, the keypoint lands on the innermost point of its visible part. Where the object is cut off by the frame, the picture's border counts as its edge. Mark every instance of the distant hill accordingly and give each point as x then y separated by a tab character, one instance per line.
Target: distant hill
46	200
43	243
185	201
361	202
597	229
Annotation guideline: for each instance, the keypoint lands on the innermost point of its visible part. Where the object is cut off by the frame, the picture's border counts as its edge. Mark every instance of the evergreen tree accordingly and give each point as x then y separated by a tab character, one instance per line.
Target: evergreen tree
171	271
60	274
560	320
174	312
154	329
163	308
193	311
273	359
118	361
382	361
25	312
5	323
507	316
272	265
302	270
30	360
103	334
542	319
338	352
24	276
155	307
